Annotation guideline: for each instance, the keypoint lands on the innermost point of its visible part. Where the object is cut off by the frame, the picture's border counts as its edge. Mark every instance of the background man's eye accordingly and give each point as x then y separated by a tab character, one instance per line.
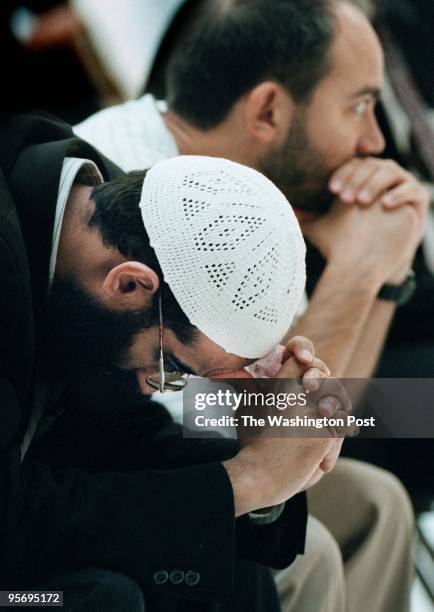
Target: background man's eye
361	107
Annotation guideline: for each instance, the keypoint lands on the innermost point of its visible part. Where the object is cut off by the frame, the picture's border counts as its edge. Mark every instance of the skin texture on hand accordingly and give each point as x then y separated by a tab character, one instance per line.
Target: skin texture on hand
369	180
346	321
382	182
268	471
367	239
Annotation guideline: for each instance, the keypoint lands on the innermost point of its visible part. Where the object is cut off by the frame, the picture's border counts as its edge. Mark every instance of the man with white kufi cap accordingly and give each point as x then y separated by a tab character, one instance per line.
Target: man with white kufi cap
230	249
197	264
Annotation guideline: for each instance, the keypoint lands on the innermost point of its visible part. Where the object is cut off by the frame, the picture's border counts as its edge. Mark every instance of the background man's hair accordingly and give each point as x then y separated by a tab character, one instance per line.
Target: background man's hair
118	218
232	45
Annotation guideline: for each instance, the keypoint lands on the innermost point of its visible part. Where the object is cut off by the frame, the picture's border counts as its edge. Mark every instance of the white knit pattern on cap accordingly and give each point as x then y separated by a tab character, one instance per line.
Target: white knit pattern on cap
230	249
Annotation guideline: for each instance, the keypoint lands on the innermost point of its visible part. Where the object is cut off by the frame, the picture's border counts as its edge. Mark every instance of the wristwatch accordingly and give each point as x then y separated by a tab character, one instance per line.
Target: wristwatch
400	294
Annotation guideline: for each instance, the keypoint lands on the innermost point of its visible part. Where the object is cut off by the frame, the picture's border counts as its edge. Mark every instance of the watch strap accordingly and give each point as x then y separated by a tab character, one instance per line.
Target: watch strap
400	294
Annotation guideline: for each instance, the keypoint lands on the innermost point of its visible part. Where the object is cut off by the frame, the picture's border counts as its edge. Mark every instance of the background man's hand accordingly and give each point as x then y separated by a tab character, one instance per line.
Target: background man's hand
370	180
373	181
369	239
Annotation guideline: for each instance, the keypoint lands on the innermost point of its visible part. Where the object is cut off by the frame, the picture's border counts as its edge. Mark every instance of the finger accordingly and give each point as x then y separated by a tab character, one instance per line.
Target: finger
346	431
301	348
339	177
329	461
318	364
352	188
312	379
328	406
381	181
409	192
314	479
332	387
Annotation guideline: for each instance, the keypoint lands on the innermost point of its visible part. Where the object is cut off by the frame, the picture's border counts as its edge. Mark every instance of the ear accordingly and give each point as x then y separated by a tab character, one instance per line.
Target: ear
269	110
130	285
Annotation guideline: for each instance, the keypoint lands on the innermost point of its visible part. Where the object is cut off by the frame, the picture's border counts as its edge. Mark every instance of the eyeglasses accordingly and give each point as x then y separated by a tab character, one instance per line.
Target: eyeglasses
166	380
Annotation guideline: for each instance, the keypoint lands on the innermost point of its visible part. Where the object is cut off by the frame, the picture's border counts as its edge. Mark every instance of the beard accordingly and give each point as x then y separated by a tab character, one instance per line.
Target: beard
81	338
299	170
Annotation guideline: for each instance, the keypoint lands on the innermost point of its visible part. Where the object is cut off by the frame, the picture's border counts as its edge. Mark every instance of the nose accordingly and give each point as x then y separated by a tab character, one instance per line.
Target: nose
146	389
372	141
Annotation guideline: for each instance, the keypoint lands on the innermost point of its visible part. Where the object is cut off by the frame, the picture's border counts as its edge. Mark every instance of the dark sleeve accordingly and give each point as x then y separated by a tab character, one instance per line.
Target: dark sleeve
137	523
54	519
275	545
140	434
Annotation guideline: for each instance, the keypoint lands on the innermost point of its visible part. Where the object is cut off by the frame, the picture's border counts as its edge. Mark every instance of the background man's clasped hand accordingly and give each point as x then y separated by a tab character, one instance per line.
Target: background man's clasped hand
382	230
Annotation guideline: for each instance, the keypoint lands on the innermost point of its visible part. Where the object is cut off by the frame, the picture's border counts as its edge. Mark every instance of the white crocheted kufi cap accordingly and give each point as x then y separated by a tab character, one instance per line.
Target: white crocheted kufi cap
230	249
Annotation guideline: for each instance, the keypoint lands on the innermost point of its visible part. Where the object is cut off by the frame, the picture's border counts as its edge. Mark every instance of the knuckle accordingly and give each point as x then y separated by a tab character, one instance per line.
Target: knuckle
299	340
301	343
319	363
392	165
349	164
424	194
409	213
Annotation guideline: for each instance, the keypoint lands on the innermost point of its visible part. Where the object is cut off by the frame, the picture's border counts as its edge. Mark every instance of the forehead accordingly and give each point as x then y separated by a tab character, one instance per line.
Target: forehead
356	55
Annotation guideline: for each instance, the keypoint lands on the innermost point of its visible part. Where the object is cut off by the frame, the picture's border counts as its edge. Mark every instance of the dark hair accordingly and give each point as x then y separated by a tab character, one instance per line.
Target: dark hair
233	45
118	218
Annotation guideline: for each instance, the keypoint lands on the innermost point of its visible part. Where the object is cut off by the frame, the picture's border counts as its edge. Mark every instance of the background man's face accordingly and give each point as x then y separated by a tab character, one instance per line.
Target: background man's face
338	123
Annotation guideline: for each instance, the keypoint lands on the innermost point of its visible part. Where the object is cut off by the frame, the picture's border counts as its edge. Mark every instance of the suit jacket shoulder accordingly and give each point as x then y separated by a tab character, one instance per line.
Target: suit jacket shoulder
32	150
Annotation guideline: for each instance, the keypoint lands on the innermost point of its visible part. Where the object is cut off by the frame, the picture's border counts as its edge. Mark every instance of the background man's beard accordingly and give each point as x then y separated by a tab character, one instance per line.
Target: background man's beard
299	171
81	337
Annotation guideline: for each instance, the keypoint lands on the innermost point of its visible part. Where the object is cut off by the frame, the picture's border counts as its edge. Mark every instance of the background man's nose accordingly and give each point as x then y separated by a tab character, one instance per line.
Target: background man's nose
372	141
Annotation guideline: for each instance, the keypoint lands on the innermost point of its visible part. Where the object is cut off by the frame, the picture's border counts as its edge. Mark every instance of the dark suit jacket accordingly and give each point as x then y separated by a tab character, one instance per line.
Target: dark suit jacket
108	493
